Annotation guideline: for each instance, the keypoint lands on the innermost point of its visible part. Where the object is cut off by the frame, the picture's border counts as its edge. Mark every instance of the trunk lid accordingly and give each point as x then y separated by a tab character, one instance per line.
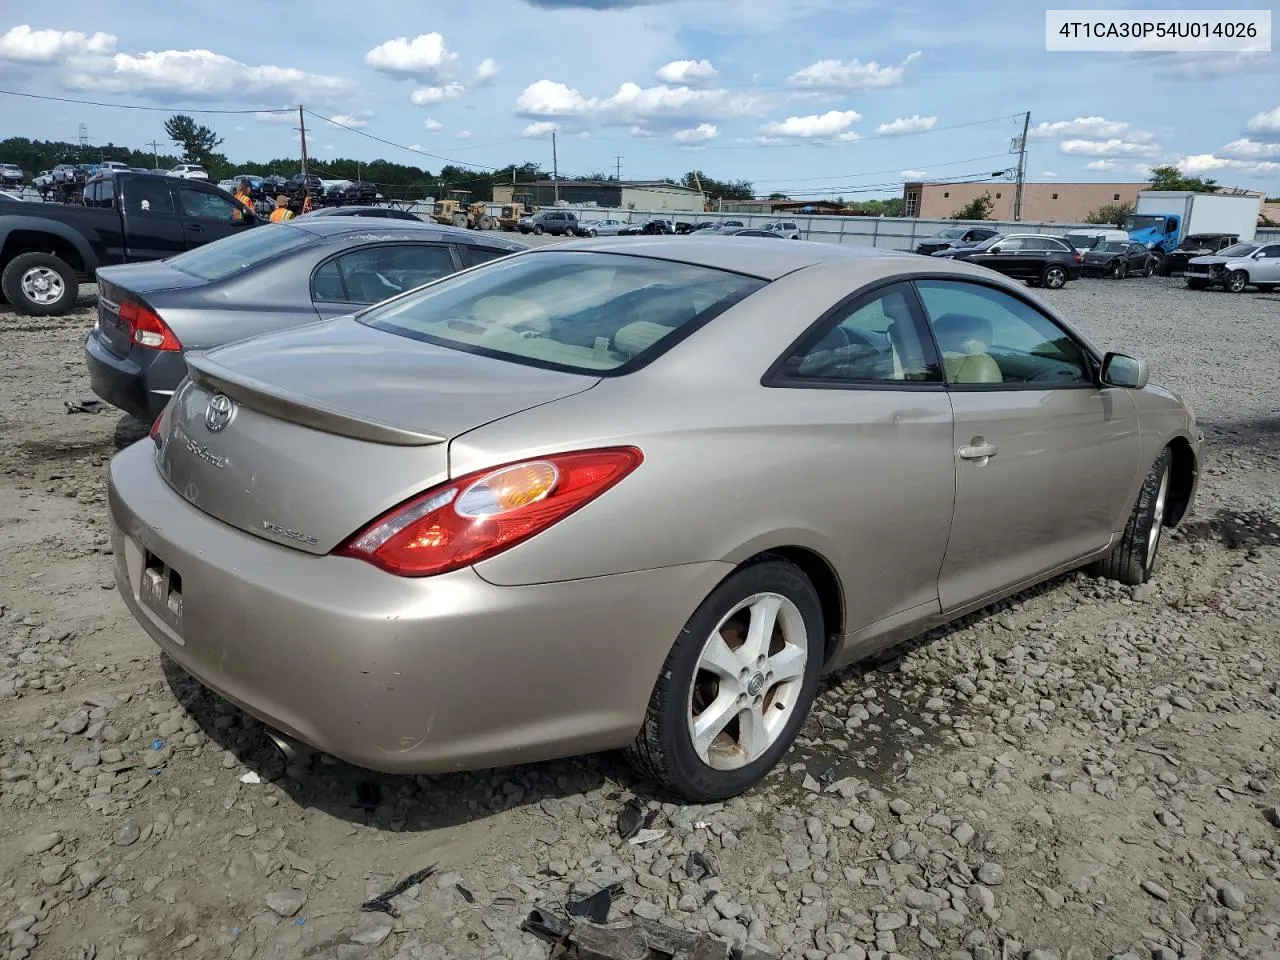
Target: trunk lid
136	281
320	430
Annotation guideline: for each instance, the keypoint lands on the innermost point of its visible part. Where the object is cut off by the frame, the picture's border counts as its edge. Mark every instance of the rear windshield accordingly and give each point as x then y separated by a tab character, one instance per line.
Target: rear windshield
1078	240
222	258
575	311
1110	246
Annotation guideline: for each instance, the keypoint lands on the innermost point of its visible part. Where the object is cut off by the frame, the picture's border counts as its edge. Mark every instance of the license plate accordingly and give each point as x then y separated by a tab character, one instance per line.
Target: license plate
160	591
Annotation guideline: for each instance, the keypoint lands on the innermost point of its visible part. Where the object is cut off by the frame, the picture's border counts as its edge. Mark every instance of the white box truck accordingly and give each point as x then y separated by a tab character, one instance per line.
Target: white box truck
1162	219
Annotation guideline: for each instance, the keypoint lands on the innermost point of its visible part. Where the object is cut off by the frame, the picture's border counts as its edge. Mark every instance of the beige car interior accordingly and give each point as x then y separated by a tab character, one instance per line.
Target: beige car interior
964	340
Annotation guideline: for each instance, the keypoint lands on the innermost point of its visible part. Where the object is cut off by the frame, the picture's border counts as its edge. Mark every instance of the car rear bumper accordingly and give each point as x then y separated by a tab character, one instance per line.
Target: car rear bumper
397	674
138	385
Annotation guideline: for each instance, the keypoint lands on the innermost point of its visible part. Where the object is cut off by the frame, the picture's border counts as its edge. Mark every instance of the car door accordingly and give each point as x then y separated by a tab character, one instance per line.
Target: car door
152	228
208	216
1137	257
358	278
864	389
1266	268
1004	255
1045	459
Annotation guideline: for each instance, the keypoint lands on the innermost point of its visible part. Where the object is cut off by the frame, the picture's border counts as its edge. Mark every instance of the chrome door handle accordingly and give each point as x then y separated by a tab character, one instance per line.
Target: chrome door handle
978	450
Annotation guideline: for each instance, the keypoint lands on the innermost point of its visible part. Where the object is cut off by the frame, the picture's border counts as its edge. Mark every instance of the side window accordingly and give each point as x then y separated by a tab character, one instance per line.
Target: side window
991	337
474	256
376	273
148	195
1010	244
91	193
209	206
107	194
327	285
1271	252
874	339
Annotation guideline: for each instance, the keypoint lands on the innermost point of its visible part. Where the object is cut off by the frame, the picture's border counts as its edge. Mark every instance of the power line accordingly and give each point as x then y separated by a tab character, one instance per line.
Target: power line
874	173
134	106
401	146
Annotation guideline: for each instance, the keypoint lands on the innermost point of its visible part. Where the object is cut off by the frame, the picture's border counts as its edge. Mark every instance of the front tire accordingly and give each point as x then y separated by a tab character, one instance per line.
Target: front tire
736	687
1235	281
1120	270
537	231
592	233
1132	560
1054	277
39	285
1148	268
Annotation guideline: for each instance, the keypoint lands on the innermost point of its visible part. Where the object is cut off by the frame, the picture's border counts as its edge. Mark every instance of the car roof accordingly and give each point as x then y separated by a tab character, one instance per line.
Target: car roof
389	229
749	255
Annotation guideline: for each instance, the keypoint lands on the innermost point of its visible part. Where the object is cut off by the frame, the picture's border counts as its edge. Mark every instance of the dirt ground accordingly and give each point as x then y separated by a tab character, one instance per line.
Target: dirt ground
1085	771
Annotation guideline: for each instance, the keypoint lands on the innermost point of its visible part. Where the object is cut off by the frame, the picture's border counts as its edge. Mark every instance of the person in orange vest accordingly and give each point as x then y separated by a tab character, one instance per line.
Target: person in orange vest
282	212
244	193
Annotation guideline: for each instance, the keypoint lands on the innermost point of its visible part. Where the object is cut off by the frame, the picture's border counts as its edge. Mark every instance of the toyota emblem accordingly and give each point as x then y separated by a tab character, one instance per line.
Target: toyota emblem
219	413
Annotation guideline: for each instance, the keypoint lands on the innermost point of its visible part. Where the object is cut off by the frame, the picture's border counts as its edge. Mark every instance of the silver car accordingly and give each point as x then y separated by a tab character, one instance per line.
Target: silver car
602	228
632	493
1237	267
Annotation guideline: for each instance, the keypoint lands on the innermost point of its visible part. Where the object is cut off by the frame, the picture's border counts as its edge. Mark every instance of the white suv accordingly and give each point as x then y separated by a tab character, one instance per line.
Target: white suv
789	229
189	171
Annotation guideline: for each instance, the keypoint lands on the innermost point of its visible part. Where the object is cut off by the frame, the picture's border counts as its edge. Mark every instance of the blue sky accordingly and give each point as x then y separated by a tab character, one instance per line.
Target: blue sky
807	97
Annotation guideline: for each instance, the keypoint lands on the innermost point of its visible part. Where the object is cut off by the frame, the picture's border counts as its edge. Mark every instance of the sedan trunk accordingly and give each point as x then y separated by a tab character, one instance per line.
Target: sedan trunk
316	431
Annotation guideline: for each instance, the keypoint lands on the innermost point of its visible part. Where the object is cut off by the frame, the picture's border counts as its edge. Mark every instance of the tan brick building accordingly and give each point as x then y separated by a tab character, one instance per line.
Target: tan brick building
1063	202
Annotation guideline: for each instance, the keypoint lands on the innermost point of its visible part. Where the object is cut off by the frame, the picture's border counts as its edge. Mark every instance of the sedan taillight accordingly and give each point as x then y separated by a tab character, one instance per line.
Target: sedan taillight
146	328
470	519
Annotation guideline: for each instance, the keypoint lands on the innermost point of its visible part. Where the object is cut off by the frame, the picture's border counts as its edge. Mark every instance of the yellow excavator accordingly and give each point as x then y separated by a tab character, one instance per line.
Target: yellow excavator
458	211
512	213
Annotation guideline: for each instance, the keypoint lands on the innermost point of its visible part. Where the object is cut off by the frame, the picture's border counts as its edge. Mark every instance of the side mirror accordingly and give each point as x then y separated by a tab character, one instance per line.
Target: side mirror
993	249
1121	370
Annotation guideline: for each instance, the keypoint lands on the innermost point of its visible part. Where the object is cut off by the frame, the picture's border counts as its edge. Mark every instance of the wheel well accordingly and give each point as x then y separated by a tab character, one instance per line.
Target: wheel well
825	582
31	241
1182	479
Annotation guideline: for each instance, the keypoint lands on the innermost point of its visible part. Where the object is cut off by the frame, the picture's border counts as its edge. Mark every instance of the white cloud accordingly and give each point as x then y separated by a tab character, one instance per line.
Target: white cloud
1049	175
699	134
1202	163
347	120
1094	128
428	96
24	45
328	146
1266	122
825	126
415	146
912	124
199	74
282	116
464	134
425	57
851	75
1105	165
641	133
486	72
1114	147
542	128
1188	65
913	174
432	126
688	73
633	104
1247	148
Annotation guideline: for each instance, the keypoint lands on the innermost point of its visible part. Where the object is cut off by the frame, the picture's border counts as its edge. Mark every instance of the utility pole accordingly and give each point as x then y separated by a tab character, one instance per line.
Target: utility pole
1022	166
302	129
155	153
555	167
618	169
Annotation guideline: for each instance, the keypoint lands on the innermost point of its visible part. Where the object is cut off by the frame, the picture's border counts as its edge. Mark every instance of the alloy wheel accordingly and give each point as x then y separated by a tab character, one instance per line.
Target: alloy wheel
43	286
1237	280
748	681
1157	518
1055	278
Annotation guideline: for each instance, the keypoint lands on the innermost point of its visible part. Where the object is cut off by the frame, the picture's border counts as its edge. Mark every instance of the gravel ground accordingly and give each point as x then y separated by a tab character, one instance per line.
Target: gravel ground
1084	771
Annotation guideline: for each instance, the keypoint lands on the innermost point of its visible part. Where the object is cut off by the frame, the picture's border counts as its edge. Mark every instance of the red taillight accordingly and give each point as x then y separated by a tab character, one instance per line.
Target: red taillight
146	328
157	428
474	517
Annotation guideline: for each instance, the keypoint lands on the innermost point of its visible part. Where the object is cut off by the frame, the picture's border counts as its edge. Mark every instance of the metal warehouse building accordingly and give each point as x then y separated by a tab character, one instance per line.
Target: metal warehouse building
655	195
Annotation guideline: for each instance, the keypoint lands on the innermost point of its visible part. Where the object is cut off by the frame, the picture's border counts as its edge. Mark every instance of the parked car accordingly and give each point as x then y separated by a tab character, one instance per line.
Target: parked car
47	249
285	275
301	183
602	228
11	175
1237	268
1198	245
653	227
741	232
1085	240
232	184
66	174
273	185
385	213
113	166
1039	260
1118	259
787	229
189	171
358	191
486	477
43	181
954	237
558	223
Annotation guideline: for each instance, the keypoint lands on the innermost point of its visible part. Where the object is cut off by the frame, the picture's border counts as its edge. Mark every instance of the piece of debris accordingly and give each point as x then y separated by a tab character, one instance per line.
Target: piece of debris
250	777
83	406
463	892
633	818
546	925
382	902
643	940
698	867
595	907
647	836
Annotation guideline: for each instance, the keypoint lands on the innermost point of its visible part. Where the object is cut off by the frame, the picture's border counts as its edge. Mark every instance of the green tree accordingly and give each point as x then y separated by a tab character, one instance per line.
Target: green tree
196	140
979	208
1112	214
888	207
1169	177
718	189
778	196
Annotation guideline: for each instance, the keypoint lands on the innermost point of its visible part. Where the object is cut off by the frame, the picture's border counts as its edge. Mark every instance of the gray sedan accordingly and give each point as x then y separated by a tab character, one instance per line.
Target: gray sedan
280	275
629	493
603	228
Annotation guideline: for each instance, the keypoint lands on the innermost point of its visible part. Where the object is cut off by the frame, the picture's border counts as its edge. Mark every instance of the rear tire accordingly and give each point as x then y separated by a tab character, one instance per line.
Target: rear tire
39	285
1132	560
793	646
1054	277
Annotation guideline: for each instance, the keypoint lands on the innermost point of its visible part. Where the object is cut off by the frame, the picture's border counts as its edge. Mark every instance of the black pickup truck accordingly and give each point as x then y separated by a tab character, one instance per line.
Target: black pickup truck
48	249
